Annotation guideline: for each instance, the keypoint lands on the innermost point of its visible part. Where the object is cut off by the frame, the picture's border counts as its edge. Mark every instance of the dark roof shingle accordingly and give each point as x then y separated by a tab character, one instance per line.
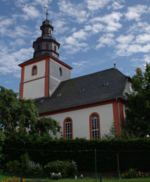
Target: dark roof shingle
94	91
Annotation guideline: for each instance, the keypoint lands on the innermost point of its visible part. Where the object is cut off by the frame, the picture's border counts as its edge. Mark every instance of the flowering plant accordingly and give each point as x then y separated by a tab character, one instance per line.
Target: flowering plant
66	168
34	168
14	179
56	175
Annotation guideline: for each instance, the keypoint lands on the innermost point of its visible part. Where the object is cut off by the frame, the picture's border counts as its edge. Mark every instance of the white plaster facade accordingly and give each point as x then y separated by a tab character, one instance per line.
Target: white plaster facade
40	71
80	118
34	89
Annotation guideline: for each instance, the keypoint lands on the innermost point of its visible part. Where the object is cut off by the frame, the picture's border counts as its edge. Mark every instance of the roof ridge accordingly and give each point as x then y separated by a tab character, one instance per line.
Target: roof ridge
93	74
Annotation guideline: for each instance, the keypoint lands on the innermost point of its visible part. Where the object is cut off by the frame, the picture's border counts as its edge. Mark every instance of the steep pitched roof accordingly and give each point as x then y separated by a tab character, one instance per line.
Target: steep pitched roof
94	91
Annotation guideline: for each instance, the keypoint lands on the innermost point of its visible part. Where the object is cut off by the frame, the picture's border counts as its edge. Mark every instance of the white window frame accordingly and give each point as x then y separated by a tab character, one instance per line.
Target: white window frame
95	126
68	128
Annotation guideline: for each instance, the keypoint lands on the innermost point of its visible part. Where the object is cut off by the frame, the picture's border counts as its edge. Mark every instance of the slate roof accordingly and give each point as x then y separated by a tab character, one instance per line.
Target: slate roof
94	91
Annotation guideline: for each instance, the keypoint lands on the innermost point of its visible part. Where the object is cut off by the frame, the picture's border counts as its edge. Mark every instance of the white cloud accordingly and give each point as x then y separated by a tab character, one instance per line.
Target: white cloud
106	39
30	12
96	4
20	31
127	50
115	6
73	10
95	28
59	26
4	24
17	42
80	63
135	12
112	21
144	38
81	34
125	39
146	58
9	60
139	27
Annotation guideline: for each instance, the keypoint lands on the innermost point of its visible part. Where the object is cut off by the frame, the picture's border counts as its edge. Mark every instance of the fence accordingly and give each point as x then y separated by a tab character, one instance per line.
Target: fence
86	159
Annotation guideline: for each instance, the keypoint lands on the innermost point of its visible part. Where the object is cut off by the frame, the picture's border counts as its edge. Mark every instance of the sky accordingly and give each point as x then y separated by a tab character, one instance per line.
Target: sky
92	35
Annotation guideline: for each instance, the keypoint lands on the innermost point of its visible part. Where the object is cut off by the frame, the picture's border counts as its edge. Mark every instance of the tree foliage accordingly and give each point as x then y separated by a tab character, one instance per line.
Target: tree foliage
138	106
20	115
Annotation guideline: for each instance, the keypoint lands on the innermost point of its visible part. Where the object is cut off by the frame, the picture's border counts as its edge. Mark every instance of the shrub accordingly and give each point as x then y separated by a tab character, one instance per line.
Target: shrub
130	173
13	167
34	168
66	168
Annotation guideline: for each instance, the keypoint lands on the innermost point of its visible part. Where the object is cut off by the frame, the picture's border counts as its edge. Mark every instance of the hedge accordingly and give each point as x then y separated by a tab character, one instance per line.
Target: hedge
132	152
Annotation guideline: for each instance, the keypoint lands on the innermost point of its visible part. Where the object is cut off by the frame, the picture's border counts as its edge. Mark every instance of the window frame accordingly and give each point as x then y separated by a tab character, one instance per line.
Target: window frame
64	127
33	70
90	124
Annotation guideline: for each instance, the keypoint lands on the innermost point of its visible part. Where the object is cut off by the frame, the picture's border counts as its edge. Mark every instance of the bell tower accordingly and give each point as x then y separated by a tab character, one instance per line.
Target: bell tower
41	75
46	43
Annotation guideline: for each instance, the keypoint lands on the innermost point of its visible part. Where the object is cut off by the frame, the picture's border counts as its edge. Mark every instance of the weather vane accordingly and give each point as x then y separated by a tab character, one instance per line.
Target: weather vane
47	11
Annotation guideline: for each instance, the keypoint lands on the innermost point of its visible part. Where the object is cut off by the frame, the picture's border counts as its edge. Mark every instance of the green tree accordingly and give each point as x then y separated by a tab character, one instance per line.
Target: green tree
22	114
138	105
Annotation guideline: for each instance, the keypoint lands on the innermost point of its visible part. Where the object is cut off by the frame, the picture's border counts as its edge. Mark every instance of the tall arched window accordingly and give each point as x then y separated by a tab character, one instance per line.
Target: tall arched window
34	70
67	128
60	71
94	126
47	46
47	30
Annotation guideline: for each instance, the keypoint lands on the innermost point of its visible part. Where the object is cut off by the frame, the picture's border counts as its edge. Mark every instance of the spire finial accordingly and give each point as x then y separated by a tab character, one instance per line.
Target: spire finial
46	12
114	65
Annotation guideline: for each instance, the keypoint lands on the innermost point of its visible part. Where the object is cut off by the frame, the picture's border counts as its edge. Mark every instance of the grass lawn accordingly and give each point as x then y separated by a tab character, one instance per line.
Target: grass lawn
6	177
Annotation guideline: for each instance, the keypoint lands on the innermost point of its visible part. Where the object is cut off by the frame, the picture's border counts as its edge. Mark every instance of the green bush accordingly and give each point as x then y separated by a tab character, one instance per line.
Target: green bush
130	173
66	168
13	167
34	168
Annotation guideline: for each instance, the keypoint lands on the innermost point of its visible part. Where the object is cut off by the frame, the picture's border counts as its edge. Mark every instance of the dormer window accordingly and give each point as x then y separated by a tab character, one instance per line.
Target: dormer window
34	70
60	71
47	46
55	48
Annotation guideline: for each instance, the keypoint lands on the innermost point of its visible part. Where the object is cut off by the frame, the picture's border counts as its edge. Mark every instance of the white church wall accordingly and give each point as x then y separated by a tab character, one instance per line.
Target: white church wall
80	120
34	89
40	71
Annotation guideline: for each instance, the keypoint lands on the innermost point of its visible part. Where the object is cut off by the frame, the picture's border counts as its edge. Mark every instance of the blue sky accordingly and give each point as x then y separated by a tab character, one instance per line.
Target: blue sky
92	33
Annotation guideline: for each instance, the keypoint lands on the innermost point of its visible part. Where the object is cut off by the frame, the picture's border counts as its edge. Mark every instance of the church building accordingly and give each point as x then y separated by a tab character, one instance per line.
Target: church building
86	106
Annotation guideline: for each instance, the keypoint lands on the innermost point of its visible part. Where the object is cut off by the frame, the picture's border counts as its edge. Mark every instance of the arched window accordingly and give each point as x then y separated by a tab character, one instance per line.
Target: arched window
47	30
38	47
94	126
68	133
47	46
60	71
34	70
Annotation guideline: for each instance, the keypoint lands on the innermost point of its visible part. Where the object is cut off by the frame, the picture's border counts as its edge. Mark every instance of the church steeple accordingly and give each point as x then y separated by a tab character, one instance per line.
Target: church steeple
46	43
